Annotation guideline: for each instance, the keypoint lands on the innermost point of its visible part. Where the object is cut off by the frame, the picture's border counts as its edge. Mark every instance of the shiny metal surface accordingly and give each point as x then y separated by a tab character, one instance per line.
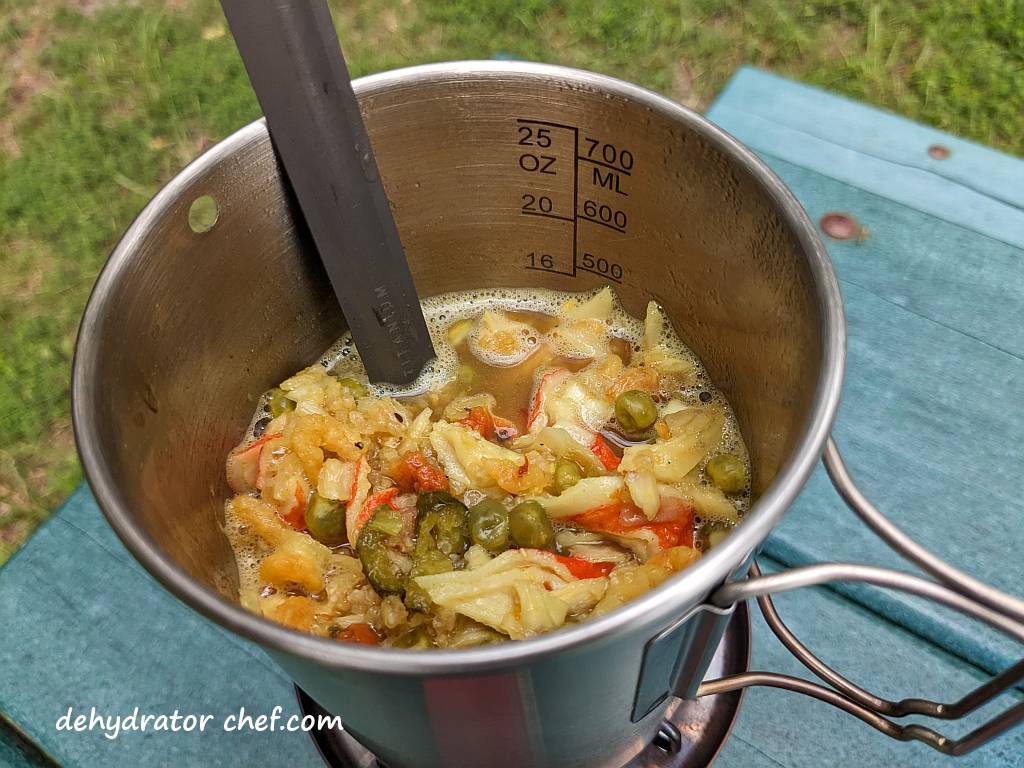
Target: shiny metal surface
877	712
825	573
185	330
690	736
952	588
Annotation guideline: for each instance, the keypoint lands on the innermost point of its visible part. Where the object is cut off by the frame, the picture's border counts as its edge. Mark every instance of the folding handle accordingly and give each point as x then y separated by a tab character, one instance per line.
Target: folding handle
963	583
952	588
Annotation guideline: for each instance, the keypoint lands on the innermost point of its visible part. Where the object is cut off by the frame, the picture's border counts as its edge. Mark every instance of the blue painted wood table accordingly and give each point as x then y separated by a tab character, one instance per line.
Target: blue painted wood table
930	422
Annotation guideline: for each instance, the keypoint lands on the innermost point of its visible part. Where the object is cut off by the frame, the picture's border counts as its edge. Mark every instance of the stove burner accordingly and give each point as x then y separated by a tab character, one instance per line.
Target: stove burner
691	735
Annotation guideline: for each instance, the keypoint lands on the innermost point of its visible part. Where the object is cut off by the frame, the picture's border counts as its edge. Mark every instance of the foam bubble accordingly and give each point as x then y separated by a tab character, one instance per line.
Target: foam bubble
519	341
443	311
248	551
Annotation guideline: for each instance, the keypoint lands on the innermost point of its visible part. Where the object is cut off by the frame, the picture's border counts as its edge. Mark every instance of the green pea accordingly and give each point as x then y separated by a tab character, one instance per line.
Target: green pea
386	521
425	502
428	562
354	387
488	525
446	528
530	527
727	472
441	523
567	474
325	520
278	402
635	411
415	638
382	565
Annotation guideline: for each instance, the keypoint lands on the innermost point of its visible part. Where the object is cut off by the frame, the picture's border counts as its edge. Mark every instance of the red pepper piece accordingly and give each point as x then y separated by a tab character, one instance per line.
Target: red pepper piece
488	425
359	633
415	472
584	569
604	453
615	519
295	515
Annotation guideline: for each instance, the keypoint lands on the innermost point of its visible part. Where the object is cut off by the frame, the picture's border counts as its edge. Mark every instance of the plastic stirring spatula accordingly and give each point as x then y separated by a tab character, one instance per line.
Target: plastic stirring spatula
296	67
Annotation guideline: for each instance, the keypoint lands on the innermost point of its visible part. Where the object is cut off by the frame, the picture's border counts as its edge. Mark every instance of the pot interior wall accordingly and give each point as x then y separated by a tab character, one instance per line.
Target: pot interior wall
200	324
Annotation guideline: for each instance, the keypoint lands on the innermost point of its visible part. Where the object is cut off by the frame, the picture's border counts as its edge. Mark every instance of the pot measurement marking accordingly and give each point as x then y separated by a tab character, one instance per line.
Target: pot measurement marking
542	147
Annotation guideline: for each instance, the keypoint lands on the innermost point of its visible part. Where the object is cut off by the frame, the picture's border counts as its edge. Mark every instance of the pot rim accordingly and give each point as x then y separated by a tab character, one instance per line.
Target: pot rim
666	602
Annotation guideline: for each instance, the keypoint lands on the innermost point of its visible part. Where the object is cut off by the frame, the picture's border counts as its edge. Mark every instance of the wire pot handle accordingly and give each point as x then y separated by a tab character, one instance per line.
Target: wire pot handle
950	587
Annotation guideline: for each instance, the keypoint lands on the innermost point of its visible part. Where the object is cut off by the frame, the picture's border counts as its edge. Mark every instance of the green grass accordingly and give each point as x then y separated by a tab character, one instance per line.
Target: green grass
102	102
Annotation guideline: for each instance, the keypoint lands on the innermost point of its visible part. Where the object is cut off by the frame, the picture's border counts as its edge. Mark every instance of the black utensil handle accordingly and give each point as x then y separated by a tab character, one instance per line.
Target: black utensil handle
295	63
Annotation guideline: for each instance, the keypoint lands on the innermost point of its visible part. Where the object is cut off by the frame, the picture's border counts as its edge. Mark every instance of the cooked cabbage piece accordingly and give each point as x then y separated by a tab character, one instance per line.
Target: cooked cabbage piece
554	465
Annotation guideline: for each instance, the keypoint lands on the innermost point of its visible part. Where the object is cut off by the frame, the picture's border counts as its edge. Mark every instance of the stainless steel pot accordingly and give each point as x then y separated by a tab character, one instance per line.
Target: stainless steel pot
500	174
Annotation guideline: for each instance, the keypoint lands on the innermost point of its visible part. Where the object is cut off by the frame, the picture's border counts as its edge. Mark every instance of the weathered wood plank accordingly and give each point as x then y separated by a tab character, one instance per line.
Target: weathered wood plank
769	99
930	421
